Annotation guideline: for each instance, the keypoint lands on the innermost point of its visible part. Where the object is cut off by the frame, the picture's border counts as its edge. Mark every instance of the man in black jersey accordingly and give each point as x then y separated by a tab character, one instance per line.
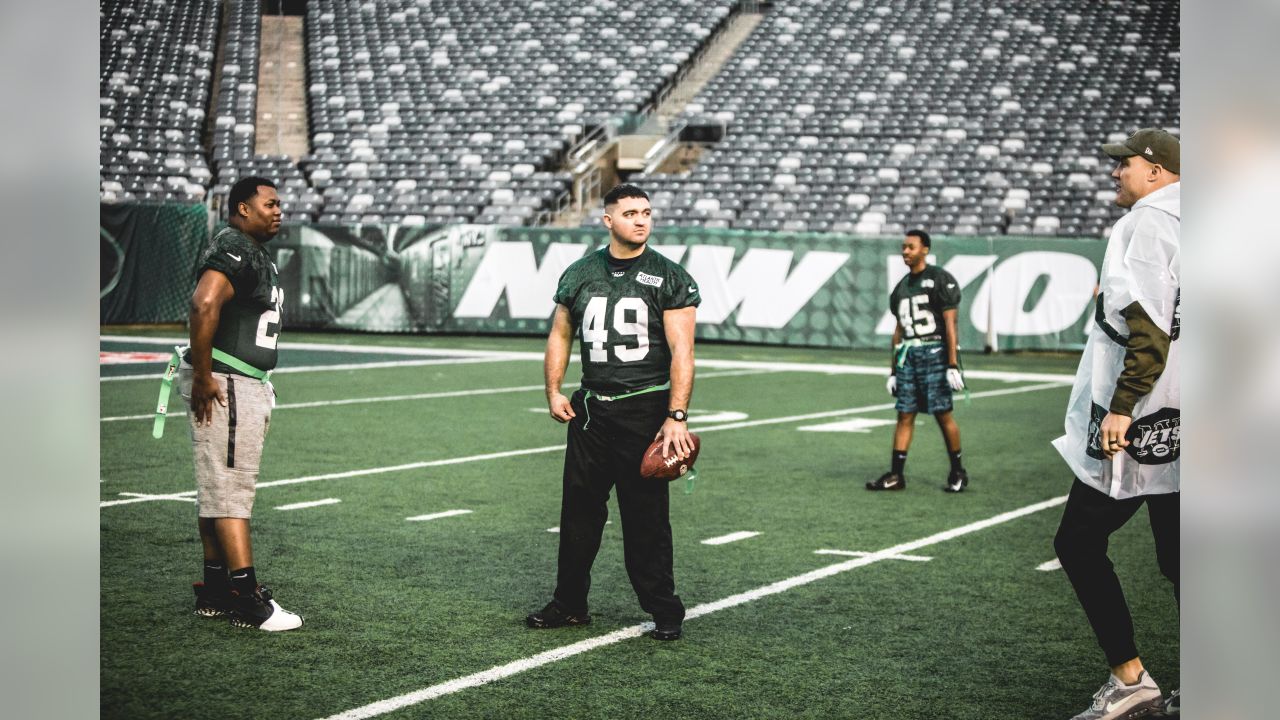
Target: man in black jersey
235	323
924	367
635	309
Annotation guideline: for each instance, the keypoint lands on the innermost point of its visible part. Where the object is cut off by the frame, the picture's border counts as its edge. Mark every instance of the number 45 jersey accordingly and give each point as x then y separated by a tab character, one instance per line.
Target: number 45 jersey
917	301
249	325
617	307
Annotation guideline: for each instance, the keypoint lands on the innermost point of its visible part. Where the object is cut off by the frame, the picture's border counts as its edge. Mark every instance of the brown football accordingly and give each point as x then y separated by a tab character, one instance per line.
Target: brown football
656	467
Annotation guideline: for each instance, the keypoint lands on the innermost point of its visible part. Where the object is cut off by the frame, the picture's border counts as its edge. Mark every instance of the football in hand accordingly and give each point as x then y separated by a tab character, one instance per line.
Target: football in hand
656	467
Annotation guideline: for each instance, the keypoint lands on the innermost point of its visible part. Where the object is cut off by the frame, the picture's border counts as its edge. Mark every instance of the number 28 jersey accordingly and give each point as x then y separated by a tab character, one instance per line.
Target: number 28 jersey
918	301
619	317
249	324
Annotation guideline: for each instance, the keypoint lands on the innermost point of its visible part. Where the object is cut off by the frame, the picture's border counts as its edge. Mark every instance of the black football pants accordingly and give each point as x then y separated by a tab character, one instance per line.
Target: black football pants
1089	520
606	442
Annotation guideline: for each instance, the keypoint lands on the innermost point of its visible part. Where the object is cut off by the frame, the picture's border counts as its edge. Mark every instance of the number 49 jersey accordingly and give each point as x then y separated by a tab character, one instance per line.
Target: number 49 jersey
249	324
623	341
919	300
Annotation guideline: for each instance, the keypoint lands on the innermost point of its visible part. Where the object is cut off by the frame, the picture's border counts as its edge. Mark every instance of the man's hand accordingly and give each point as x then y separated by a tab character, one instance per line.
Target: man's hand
561	408
1111	434
892	385
204	393
955	379
675	436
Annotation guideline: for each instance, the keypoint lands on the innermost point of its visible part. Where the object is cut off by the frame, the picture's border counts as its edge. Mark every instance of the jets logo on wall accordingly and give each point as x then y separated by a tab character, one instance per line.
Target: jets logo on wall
1155	438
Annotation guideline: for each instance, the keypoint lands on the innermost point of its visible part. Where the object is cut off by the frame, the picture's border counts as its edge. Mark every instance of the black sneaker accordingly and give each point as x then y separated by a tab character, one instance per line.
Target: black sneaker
888	481
211	602
258	610
957	481
553	616
666	629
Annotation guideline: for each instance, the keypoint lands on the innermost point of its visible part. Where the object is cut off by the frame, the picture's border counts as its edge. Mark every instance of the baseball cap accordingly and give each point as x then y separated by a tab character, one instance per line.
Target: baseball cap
1154	144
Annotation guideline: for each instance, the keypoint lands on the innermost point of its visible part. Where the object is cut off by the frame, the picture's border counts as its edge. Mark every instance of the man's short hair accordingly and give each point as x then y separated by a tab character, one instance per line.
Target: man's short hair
924	237
624	190
243	191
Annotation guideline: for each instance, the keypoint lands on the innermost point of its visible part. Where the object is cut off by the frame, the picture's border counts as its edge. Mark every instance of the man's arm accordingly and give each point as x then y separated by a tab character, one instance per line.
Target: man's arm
679	325
952	343
559	343
893	347
952	338
1145	354
212	292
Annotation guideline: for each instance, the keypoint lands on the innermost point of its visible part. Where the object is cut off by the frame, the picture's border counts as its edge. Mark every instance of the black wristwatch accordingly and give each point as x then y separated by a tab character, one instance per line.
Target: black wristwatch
678	415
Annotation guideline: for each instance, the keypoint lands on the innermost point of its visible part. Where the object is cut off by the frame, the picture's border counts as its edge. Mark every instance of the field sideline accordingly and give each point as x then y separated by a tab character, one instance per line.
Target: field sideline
408	505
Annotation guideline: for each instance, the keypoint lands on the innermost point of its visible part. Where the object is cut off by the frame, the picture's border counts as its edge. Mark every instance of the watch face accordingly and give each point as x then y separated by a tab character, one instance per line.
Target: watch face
678	414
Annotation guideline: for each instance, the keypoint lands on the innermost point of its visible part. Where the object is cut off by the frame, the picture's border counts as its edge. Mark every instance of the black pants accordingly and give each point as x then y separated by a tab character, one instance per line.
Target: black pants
1087	523
606	443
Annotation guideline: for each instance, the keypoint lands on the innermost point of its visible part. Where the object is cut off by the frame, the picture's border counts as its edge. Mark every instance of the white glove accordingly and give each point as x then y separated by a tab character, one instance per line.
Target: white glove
954	379
892	385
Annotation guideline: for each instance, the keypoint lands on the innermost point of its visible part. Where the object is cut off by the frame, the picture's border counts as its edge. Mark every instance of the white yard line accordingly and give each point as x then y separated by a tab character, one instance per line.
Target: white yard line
452	354
555	448
182	497
421	396
864	409
353	473
378	365
1054	564
437	516
337	347
864	553
731	537
499	672
309	504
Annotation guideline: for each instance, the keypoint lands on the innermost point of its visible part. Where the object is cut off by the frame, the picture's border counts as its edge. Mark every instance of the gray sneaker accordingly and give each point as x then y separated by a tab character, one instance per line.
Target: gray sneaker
1117	701
1172	706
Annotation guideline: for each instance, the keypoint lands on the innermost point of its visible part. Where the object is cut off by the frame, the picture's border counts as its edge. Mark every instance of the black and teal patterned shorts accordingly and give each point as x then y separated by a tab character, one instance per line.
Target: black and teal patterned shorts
922	381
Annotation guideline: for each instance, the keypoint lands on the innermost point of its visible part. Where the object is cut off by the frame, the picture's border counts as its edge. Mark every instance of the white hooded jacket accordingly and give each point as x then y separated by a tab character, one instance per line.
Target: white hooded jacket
1141	265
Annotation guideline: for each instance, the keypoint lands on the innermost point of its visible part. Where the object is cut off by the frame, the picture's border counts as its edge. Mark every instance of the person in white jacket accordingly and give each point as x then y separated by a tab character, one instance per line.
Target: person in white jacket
1122	423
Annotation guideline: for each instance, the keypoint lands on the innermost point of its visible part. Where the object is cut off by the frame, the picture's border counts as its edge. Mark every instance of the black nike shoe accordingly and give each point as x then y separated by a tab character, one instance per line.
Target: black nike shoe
212	602
957	481
258	610
666	629
553	616
888	481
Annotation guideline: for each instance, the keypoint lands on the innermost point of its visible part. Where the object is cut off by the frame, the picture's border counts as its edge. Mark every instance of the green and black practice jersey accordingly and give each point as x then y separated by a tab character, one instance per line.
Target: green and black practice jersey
249	325
619	305
918	301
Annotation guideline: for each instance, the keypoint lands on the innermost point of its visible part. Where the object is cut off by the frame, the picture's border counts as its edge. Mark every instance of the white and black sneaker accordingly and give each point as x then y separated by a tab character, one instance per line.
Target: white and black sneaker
888	481
258	610
957	481
1117	701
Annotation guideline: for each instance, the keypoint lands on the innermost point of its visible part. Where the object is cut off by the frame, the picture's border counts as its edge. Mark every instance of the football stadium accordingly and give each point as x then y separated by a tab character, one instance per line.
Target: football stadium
441	168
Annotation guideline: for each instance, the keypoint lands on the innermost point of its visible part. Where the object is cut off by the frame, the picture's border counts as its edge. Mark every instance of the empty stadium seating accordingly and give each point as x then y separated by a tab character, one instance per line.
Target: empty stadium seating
870	117
856	117
448	112
155	71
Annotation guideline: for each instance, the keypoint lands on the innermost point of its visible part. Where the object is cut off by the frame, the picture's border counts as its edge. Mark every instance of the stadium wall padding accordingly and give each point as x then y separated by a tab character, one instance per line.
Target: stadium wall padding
147	253
771	288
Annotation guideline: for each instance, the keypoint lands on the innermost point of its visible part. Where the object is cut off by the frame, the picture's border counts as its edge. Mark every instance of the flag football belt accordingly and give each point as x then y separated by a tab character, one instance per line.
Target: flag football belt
588	394
166	382
901	350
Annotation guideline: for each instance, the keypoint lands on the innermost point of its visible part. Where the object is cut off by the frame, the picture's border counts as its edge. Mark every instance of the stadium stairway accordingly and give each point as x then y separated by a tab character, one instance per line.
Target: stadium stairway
282	97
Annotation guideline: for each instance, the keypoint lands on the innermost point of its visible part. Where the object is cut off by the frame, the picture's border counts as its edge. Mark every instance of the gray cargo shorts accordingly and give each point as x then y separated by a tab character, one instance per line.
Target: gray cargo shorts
228	451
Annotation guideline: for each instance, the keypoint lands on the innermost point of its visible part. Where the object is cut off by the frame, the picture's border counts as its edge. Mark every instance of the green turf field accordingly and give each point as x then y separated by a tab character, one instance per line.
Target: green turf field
424	618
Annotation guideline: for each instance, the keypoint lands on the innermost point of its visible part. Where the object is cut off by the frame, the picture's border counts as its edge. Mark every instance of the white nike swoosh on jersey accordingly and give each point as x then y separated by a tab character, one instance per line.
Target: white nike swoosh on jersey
234	257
